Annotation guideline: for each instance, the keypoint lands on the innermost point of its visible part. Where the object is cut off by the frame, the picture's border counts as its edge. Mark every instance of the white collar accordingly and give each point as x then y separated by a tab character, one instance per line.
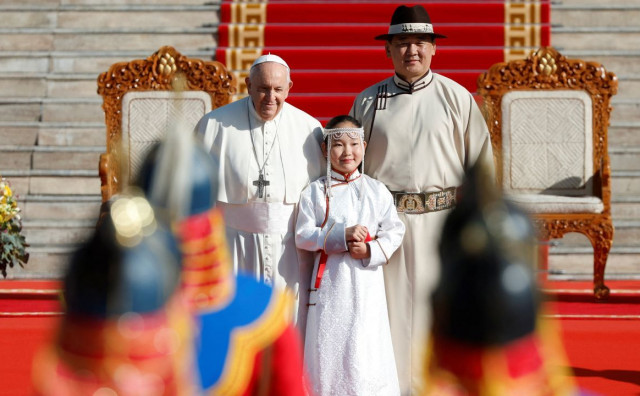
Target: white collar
341	177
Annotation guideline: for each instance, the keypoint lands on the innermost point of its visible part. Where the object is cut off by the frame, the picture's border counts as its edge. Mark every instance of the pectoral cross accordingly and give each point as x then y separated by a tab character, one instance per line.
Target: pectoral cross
261	183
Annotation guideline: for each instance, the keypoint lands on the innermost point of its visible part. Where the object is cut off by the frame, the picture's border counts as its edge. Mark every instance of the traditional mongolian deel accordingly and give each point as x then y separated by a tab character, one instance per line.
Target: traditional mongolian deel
348	348
421	138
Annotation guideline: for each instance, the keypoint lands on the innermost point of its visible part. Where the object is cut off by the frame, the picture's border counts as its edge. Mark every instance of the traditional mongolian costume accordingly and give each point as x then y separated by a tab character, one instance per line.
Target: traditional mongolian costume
348	348
421	137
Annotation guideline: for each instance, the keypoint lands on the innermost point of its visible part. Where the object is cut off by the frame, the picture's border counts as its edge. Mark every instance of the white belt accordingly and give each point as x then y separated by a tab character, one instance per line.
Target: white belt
259	217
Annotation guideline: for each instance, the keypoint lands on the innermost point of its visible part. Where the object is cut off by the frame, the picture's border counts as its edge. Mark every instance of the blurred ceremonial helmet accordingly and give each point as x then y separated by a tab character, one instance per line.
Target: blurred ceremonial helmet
125	327
180	179
130	264
179	176
488	338
487	292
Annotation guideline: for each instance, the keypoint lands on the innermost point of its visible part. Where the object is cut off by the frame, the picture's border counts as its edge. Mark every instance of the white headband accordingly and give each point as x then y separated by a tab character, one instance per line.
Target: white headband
337	132
411	28
269	58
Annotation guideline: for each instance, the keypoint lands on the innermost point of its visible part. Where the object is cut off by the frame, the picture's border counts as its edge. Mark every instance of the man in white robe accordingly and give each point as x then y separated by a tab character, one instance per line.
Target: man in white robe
423	130
269	151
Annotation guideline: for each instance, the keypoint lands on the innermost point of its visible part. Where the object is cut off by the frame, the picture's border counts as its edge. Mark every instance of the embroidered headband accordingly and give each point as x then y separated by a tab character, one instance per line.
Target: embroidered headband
338	132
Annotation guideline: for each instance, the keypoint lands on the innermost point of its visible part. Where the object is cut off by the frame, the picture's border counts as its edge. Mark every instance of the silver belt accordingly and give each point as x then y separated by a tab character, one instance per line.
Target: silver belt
424	202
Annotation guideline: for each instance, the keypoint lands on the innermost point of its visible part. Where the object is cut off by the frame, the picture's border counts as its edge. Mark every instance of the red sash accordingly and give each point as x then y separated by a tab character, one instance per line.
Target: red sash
323	262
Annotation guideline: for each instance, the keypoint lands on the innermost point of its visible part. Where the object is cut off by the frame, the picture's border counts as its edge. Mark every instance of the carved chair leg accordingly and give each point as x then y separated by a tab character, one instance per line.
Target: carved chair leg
600	255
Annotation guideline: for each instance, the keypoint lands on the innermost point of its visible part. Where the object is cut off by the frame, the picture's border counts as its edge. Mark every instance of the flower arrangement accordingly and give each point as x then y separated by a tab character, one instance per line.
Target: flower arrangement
12	242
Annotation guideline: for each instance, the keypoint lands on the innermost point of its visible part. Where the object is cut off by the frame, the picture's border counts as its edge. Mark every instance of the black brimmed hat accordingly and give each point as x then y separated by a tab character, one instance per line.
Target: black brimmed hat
409	20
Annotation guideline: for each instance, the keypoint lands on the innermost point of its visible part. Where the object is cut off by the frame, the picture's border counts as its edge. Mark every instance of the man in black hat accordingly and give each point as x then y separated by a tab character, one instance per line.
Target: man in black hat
423	131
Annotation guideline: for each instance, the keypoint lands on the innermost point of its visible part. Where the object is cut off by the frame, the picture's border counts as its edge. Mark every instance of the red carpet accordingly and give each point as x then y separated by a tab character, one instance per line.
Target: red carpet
601	338
469	11
604	354
334	40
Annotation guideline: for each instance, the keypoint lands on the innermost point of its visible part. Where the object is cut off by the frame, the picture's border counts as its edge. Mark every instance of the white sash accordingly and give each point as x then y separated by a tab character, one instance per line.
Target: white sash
259	217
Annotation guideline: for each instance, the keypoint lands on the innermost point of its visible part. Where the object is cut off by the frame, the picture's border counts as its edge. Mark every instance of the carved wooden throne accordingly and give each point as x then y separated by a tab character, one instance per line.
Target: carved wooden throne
548	118
144	97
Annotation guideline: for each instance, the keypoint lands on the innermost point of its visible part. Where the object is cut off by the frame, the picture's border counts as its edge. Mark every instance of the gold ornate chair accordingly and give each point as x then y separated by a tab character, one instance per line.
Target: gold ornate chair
548	117
144	97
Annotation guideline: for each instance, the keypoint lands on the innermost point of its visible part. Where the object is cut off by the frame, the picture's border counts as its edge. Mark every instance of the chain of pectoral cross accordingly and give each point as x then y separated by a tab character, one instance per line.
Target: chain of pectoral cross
261	183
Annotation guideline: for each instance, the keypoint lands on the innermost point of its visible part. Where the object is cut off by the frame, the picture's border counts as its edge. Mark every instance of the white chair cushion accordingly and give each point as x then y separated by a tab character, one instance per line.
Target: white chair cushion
547	142
541	203
147	115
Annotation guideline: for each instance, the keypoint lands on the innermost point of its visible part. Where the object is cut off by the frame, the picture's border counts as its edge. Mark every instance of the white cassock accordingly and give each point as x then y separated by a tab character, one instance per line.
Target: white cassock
421	138
286	150
348	349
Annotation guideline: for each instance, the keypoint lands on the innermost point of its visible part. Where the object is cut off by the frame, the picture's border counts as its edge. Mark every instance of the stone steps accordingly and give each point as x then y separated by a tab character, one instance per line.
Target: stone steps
105	39
50	61
595	15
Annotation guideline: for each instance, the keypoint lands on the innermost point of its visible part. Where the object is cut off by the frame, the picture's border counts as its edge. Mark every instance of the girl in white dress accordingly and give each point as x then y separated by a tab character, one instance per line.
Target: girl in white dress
350	220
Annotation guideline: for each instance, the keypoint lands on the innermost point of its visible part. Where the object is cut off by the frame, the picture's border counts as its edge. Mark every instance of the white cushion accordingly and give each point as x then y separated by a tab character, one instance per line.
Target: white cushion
541	203
547	142
147	115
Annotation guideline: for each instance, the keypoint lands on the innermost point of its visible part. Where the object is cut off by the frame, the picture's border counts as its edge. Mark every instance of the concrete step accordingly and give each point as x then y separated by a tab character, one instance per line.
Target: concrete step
106	39
84	3
112	16
622	62
600	15
625	158
625	182
57	232
625	206
627	110
44	263
579	266
628	87
63	182
624	134
52	134
72	61
596	5
50	157
60	207
587	37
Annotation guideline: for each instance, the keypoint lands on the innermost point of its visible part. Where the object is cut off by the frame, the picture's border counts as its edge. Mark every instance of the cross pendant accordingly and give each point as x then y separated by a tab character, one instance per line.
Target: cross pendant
261	183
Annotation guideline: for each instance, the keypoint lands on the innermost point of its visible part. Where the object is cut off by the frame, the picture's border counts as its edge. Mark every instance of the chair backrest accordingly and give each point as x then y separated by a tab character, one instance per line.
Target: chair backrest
547	142
548	118
143	98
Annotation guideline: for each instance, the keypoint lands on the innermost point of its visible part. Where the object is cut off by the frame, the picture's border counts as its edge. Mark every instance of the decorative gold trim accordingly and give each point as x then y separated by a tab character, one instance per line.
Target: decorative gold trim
522	29
246	38
248	12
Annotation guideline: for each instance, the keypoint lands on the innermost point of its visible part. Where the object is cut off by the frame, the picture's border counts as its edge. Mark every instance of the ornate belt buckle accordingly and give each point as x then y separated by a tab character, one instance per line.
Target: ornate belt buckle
410	202
440	200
